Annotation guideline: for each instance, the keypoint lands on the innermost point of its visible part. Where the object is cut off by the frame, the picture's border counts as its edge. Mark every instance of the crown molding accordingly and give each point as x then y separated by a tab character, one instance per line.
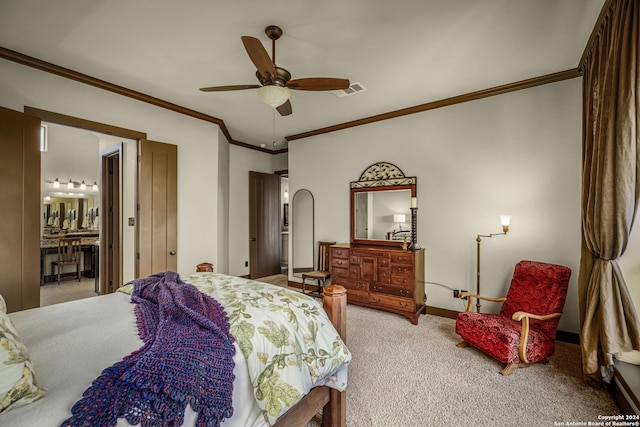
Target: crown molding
121	90
485	93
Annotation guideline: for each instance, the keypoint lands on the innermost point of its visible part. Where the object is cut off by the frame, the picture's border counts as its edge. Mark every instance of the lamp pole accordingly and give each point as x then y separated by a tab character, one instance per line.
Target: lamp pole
505	221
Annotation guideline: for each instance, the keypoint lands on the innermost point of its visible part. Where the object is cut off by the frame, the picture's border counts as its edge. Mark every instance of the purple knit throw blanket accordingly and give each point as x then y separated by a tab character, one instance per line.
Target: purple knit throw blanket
186	359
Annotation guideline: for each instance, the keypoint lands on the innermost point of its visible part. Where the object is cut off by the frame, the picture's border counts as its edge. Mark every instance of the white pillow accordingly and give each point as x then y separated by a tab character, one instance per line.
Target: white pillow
17	379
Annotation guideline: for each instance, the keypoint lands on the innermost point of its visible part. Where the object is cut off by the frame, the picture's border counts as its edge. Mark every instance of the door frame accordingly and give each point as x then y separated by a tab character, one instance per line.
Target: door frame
62	119
264	225
111	221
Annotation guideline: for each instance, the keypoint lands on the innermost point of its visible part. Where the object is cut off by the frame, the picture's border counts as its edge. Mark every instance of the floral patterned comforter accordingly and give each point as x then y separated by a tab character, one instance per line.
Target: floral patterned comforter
286	337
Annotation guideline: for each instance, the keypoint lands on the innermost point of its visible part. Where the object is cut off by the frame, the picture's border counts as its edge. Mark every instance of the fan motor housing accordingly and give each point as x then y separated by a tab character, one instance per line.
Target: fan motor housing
282	77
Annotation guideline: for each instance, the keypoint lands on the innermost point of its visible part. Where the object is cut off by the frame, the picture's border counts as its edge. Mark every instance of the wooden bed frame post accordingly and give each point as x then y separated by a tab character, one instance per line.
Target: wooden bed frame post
334	413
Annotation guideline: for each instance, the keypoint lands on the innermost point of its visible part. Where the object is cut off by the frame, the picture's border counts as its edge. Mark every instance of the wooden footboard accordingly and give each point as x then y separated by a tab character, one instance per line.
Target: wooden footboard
332	402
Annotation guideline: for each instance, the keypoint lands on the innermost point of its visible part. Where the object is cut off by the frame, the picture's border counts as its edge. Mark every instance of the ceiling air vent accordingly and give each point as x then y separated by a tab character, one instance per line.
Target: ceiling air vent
354	88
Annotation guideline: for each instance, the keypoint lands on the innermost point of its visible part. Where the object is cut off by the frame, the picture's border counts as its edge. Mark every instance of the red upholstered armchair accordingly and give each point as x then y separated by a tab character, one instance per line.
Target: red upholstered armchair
524	331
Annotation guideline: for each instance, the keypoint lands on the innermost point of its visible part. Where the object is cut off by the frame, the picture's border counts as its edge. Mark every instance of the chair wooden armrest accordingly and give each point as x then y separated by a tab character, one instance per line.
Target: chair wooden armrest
519	315
470	295
523	317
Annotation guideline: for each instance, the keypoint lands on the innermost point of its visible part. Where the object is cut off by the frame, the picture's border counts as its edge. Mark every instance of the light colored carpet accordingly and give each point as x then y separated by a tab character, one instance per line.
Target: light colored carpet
405	375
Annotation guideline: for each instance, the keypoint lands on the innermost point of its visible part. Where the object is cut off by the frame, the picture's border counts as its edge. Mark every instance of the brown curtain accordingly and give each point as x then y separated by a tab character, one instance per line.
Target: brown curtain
610	188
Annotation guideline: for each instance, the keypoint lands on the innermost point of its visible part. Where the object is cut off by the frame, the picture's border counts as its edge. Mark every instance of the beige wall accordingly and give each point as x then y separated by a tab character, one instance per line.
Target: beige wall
517	154
197	143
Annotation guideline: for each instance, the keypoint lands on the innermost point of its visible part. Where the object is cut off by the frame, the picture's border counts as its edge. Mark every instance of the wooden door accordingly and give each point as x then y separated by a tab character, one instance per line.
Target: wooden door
21	204
111	227
264	224
157	231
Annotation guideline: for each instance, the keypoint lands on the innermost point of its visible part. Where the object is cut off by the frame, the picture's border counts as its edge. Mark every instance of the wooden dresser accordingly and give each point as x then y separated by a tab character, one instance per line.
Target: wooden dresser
385	278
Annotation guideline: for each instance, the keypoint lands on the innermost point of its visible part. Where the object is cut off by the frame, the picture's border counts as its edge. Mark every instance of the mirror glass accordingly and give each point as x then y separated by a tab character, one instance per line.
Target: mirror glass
301	232
382	215
66	213
381	206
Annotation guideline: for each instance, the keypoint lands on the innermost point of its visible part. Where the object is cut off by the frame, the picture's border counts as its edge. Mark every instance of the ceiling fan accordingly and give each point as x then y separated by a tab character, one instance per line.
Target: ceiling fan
275	81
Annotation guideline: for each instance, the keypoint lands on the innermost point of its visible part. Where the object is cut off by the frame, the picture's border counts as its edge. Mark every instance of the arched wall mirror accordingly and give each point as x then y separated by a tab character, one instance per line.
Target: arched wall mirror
381	206
301	232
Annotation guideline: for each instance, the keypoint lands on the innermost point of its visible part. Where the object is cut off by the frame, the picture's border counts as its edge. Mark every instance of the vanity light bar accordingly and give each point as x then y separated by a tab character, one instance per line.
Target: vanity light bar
71	184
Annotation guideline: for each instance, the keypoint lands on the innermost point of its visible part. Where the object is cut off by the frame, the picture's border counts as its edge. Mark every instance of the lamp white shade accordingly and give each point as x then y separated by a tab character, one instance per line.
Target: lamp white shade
94	187
414	202
399	218
56	183
274	95
70	185
505	220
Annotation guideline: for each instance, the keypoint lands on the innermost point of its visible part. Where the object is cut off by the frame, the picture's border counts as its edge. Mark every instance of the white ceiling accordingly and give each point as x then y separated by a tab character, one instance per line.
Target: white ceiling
404	52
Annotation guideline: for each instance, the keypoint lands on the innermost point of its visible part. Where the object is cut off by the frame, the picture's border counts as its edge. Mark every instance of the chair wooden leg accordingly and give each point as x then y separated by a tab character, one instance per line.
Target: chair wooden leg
508	370
462	344
53	271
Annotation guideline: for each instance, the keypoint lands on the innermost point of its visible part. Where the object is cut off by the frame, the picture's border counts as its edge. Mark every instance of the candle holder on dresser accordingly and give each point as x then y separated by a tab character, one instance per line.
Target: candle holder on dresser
414	246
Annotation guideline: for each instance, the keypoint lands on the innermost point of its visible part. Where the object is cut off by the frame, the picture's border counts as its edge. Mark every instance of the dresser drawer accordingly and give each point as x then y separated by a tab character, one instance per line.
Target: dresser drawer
401	270
339	272
383	262
396	303
357	297
384	275
402	259
354	272
356	285
392	290
403	281
340	262
339	253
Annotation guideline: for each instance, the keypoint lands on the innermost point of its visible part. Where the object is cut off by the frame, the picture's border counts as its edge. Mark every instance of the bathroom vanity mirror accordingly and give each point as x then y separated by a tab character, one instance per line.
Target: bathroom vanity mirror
69	213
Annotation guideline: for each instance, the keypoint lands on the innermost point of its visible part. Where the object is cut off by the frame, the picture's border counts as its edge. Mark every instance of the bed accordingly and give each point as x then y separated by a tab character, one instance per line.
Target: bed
70	344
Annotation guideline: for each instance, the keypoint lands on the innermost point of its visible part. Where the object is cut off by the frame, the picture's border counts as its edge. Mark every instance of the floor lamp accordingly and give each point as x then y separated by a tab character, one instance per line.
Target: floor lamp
505	220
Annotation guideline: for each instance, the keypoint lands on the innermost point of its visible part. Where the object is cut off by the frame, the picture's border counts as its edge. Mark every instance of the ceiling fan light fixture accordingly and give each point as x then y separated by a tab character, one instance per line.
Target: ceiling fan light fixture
274	95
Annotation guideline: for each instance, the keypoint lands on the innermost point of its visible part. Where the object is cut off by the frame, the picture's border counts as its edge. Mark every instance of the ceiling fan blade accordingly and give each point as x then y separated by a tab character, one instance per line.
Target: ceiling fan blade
224	88
259	56
318	83
285	109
